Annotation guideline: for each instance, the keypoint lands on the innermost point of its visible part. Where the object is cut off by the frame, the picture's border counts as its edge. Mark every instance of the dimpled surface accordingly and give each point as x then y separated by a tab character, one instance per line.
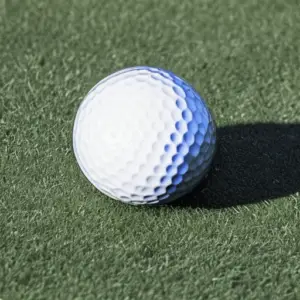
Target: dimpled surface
144	136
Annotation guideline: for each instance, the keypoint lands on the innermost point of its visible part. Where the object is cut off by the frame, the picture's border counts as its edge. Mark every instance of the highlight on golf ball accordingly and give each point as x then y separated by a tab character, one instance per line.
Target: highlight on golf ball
144	136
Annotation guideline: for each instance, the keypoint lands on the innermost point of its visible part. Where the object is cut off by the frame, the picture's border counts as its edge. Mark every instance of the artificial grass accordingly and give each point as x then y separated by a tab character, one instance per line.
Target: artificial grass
238	238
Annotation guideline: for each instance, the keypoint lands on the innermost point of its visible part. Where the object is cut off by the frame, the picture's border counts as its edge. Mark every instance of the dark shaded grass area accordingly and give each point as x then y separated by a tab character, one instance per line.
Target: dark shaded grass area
254	163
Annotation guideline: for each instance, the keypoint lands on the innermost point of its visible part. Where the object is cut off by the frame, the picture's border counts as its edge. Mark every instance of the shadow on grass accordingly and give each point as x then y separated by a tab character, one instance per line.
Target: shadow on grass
254	162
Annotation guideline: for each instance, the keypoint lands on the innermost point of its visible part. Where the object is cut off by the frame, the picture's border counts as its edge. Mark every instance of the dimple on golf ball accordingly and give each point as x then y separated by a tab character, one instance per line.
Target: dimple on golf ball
144	136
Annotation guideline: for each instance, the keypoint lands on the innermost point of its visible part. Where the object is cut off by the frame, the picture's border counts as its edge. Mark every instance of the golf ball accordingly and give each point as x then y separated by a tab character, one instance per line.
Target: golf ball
144	136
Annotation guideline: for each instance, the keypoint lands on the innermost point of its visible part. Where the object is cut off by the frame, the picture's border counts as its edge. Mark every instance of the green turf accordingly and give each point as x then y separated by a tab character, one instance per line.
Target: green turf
236	239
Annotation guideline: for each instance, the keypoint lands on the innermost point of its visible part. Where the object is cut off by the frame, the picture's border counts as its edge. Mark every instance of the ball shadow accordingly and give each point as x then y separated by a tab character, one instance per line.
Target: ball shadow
253	163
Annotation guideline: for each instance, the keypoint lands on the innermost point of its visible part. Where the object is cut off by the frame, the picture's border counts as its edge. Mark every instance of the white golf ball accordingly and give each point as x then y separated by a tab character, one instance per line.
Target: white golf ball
144	136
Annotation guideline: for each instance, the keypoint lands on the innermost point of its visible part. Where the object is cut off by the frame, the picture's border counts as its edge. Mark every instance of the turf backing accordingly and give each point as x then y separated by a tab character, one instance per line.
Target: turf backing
236	239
